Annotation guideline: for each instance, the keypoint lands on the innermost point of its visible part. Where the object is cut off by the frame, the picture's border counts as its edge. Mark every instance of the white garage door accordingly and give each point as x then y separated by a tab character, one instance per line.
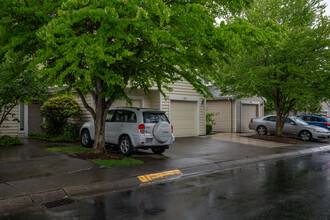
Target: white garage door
184	118
248	112
223	118
123	103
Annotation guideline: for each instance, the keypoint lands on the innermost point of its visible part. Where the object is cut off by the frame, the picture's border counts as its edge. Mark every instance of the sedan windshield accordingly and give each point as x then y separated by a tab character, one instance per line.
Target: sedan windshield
299	121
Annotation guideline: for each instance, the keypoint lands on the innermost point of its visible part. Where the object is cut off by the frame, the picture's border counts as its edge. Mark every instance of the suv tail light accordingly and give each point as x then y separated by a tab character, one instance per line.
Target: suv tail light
327	123
141	128
172	129
251	120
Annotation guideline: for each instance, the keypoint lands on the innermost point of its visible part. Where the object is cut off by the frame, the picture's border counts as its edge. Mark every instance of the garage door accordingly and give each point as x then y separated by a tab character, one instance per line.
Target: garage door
122	103
248	112
184	118
223	118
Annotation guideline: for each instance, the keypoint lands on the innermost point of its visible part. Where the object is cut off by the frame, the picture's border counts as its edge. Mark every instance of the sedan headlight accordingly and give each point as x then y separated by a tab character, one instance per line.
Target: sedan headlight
319	131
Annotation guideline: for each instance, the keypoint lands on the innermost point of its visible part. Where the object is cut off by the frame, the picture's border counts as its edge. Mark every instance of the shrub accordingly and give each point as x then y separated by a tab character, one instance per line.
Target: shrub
209	118
62	138
9	141
57	111
208	128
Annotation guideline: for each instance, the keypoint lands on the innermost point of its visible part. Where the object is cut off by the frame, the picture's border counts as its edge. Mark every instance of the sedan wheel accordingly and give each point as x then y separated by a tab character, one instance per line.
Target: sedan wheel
125	146
262	130
305	136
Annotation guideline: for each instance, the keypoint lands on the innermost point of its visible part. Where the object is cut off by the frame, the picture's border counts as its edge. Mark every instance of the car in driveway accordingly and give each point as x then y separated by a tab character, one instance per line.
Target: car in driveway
133	128
293	127
316	120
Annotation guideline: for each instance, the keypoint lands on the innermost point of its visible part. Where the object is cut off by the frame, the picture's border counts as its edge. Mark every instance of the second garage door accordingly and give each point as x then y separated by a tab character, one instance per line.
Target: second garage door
184	118
222	117
248	112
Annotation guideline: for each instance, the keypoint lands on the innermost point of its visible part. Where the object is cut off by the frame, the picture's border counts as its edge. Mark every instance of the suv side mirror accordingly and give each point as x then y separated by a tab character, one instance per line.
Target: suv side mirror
292	123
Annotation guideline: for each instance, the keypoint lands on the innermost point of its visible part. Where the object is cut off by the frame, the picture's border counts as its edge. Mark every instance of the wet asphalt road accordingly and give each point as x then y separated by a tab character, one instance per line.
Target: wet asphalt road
290	189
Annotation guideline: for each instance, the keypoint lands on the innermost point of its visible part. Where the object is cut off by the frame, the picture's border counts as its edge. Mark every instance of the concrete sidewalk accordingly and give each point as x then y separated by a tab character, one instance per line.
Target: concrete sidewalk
44	177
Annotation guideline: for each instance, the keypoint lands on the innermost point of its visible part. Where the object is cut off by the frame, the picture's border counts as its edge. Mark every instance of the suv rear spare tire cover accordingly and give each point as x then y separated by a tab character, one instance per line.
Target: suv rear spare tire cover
162	131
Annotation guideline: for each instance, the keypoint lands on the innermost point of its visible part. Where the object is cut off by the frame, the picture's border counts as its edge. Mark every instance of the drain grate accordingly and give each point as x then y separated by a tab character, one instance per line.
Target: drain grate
57	203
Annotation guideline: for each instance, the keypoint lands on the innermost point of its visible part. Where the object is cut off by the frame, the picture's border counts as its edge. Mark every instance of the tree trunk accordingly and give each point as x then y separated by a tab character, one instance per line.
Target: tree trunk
279	125
279	119
99	127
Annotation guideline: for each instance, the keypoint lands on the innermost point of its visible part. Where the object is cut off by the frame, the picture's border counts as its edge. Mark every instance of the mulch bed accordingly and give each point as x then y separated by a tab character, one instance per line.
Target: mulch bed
93	156
285	140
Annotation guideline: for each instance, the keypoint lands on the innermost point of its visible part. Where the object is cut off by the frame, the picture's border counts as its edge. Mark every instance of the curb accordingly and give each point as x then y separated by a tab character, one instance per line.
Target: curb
11	204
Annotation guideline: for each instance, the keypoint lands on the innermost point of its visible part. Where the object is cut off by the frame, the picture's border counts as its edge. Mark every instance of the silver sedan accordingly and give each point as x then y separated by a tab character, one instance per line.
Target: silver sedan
294	127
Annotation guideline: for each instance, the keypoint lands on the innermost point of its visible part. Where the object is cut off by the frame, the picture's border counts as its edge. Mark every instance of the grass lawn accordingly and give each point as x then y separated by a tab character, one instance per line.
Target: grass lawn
69	150
116	163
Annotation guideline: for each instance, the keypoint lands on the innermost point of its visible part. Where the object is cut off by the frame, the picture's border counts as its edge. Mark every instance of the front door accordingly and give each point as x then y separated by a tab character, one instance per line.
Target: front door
34	117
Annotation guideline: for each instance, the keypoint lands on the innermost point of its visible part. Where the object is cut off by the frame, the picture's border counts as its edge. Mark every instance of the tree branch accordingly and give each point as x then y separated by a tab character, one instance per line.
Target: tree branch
132	66
88	107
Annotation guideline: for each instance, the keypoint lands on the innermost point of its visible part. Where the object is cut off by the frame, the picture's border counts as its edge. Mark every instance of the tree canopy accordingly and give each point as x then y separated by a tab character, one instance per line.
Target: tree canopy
280	51
18	43
102	47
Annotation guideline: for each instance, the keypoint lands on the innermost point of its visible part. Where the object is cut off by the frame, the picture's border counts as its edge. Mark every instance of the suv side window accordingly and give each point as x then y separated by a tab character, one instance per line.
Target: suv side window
124	116
118	116
109	115
130	117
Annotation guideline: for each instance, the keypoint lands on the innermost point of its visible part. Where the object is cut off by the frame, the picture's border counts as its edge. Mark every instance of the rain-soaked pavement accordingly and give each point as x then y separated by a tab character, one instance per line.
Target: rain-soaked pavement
291	189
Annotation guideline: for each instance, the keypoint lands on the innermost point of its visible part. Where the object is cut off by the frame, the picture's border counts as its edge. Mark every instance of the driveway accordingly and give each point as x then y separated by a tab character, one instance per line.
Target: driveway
242	139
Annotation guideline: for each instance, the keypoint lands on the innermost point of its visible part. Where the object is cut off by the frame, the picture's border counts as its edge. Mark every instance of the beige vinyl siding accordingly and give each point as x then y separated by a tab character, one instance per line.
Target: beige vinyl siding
86	116
12	129
326	109
223	118
183	90
150	100
121	103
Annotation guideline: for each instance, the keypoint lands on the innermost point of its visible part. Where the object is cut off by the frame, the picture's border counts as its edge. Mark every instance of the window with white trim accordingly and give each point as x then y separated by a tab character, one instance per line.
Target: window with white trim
21	116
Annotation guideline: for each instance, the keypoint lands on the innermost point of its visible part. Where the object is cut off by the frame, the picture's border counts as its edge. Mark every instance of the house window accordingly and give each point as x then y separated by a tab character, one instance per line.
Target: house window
21	116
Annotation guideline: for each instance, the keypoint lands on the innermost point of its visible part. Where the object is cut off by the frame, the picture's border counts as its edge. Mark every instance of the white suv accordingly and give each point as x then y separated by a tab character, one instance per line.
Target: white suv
133	128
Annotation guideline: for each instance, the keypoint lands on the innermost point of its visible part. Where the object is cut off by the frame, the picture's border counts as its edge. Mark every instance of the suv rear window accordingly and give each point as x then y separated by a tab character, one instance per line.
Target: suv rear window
154	117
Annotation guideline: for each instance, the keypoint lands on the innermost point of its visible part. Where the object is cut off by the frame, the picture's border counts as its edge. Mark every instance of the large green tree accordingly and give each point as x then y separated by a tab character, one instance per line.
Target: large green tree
19	22
102	47
279	50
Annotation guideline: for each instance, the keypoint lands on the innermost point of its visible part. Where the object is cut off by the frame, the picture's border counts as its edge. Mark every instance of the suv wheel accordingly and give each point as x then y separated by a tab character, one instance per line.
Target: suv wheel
125	146
85	138
158	149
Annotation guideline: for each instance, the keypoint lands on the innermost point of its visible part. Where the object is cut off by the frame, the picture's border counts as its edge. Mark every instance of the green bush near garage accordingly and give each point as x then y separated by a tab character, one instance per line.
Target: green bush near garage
208	128
57	112
9	141
210	121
